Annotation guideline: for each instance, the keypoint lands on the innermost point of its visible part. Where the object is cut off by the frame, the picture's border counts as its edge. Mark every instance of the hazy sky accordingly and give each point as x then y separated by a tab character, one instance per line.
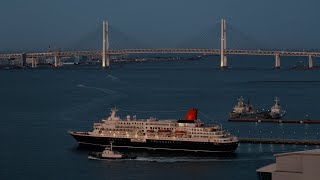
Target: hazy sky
38	23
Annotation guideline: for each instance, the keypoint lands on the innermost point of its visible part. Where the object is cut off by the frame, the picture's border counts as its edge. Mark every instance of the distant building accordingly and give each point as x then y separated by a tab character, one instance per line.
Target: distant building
4	61
80	58
16	62
29	60
301	165
42	60
50	60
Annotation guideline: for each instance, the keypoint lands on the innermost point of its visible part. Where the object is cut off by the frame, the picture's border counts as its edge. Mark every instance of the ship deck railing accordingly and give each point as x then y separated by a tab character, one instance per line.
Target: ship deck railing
220	140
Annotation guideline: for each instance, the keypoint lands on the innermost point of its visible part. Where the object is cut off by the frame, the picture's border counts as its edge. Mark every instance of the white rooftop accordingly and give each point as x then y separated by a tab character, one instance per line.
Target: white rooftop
308	152
270	168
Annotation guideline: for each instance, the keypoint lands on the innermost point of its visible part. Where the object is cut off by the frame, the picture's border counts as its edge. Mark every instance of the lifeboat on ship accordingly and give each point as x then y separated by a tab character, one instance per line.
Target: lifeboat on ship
180	132
164	131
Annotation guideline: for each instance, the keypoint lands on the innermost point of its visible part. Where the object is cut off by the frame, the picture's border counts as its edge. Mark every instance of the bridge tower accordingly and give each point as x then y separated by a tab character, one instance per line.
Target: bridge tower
57	59
277	63
310	62
223	57
105	45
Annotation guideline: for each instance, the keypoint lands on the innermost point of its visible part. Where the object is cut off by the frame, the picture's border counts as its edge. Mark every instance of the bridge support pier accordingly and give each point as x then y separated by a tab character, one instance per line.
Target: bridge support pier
57	61
223	57
24	59
105	45
36	61
310	62
32	62
277	63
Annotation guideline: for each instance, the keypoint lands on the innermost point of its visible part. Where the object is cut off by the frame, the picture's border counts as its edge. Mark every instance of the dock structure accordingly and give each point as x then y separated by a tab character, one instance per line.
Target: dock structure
305	121
279	141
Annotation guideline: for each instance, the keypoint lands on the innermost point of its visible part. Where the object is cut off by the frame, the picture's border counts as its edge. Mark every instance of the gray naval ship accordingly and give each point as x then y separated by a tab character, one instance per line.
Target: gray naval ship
244	110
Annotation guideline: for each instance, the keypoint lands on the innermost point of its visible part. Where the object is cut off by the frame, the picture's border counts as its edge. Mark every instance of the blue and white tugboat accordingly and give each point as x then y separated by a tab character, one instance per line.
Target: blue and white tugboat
108	153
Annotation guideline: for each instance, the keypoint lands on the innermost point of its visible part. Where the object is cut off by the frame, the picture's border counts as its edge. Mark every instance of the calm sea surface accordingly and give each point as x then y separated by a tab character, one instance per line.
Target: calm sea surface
39	106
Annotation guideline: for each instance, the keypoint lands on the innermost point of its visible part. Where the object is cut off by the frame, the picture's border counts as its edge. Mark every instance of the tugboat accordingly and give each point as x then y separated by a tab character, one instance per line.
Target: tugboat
188	134
276	110
242	110
108	153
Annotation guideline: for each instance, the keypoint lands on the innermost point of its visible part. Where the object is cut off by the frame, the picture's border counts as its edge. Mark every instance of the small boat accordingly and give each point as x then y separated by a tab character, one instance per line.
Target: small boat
108	153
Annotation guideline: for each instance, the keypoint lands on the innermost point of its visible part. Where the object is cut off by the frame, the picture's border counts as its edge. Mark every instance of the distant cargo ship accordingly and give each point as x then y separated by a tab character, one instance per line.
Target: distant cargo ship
246	111
188	134
301	66
304	67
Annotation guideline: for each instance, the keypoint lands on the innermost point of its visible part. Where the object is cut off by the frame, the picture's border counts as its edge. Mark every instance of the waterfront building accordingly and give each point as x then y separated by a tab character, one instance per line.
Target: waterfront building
301	165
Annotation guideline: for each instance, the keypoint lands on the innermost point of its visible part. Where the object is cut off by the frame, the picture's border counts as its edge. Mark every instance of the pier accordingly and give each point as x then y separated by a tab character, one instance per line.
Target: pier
278	141
275	121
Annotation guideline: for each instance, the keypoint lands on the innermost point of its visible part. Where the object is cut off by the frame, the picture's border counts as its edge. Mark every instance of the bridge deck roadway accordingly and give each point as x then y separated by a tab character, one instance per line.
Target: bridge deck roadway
163	51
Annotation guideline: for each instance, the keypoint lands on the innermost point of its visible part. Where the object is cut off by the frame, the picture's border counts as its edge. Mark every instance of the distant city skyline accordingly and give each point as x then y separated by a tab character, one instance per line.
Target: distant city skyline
36	24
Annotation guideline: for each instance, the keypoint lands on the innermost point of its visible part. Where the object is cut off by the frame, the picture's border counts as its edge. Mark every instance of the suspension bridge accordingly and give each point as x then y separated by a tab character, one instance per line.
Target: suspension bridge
107	51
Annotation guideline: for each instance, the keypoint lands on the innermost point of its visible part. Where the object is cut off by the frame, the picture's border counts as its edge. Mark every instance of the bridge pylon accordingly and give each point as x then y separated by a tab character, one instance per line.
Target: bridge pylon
33	62
105	45
277	63
223	45
310	62
57	59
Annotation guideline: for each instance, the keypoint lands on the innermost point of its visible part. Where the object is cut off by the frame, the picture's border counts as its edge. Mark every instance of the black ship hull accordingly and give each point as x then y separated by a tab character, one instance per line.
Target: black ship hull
151	144
262	115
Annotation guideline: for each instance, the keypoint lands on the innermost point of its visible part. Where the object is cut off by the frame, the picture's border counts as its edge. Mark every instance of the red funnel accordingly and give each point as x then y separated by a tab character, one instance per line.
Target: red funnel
192	115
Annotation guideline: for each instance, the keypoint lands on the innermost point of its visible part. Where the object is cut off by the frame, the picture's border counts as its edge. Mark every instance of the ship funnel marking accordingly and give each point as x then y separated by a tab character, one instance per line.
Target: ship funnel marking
192	115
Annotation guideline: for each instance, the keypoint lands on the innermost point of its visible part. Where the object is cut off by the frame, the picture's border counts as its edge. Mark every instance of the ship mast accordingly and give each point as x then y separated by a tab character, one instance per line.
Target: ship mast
277	100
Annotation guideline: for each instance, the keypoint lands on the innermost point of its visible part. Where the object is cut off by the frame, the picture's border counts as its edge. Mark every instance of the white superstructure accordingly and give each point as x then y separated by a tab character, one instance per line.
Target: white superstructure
276	109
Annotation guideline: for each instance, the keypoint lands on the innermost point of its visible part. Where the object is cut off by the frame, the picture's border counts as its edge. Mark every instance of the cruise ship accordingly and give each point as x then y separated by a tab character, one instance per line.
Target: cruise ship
188	134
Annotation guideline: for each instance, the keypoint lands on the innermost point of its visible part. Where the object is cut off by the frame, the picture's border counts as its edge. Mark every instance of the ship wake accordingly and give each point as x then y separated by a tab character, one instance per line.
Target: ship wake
107	91
190	159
